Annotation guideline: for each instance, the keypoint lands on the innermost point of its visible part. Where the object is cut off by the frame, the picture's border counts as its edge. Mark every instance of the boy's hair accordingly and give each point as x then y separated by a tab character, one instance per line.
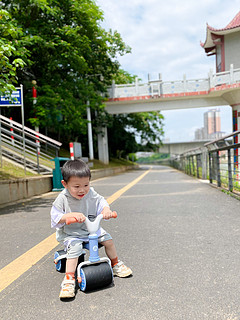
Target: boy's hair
77	168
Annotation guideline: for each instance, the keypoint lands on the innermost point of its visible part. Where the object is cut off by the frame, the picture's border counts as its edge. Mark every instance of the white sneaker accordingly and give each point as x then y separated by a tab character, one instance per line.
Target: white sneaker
67	287
120	270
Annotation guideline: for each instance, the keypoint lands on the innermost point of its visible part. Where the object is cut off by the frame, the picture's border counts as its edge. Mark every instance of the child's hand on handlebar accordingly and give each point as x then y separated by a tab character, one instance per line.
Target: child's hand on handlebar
108	213
78	216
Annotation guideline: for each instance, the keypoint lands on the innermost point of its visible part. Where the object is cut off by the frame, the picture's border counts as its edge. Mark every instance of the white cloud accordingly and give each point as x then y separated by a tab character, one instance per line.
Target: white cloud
165	38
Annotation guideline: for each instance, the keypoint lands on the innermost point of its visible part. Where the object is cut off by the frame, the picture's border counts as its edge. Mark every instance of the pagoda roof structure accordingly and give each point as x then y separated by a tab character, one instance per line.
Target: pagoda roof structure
214	35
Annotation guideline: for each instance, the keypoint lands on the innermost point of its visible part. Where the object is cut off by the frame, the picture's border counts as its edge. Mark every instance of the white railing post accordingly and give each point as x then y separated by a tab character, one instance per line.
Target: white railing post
184	83
113	89
160	84
231	74
150	86
210	79
136	86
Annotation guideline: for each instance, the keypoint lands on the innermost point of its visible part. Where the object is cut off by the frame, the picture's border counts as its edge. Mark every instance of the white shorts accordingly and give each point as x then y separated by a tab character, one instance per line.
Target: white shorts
75	246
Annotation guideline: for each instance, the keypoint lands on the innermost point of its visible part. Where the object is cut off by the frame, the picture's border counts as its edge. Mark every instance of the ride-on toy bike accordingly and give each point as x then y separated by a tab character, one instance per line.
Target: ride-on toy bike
96	272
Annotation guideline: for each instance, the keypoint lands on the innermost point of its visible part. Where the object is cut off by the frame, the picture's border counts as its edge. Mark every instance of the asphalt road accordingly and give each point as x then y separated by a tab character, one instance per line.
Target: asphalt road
180	236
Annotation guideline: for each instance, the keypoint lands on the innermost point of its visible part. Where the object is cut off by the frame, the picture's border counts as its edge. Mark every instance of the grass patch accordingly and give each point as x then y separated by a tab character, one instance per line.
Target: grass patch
112	163
9	171
155	158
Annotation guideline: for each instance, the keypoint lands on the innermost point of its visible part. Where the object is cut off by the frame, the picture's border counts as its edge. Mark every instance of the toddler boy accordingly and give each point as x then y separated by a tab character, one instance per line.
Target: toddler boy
79	200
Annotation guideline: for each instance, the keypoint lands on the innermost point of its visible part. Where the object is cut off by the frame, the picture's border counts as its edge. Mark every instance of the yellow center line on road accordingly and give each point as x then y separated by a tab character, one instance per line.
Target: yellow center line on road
118	194
17	267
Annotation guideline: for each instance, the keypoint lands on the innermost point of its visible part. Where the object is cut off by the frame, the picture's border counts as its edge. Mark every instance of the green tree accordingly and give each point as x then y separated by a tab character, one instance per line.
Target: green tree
123	128
11	52
71	57
61	45
123	77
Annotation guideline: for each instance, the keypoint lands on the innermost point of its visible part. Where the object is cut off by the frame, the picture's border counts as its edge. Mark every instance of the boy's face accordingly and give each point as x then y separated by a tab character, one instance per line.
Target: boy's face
77	187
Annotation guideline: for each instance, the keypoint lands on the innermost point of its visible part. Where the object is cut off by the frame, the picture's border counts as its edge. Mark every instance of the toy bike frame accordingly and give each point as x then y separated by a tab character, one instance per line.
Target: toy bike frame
96	272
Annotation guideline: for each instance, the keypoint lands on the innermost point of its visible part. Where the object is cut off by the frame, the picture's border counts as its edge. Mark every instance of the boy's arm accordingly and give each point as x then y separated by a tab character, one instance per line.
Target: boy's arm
55	217
58	218
78	216
107	213
101	205
104	209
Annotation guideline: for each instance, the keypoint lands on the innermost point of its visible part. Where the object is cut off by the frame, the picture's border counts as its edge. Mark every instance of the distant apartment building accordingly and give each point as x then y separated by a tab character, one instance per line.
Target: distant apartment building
212	126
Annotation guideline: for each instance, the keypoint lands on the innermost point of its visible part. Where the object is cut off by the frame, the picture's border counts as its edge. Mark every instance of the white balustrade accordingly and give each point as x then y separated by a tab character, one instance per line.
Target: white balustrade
158	88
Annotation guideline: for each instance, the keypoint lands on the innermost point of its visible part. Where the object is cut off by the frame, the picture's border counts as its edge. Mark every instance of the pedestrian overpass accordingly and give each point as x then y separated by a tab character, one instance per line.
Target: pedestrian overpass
218	89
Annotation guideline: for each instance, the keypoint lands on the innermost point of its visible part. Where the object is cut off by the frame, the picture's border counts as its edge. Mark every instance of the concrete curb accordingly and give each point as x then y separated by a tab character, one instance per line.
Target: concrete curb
13	191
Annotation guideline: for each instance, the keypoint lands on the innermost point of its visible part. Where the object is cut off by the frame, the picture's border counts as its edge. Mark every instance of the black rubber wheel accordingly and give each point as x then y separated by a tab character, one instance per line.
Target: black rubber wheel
96	276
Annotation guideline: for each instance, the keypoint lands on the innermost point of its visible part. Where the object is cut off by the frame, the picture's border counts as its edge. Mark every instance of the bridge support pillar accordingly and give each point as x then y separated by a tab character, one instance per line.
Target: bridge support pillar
236	116
236	126
233	98
103	145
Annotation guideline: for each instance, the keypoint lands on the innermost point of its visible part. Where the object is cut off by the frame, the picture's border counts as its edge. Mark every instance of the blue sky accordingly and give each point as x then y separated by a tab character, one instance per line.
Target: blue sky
165	38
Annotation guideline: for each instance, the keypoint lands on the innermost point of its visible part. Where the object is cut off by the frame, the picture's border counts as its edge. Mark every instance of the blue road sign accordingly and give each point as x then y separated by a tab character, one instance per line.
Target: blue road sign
15	99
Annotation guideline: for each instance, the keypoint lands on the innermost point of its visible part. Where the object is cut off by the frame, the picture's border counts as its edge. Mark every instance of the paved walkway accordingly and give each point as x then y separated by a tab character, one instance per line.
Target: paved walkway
180	236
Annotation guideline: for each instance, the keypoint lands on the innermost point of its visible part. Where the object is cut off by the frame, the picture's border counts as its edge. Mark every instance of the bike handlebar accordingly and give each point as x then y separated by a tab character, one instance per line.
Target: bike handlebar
71	220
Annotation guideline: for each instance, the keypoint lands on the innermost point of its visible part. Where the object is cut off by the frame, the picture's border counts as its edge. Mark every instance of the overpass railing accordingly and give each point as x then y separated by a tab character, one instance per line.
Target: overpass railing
218	161
159	88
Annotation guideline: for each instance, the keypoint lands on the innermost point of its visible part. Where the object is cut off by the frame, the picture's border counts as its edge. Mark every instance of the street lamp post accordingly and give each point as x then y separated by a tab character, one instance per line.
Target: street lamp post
90	138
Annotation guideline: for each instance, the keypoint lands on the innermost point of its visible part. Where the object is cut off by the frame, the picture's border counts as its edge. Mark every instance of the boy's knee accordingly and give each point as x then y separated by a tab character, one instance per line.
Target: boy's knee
107	243
75	249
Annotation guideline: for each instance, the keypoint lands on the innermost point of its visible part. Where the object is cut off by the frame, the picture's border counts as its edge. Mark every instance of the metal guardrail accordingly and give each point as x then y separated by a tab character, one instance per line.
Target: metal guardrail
218	161
158	88
19	144
192	162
